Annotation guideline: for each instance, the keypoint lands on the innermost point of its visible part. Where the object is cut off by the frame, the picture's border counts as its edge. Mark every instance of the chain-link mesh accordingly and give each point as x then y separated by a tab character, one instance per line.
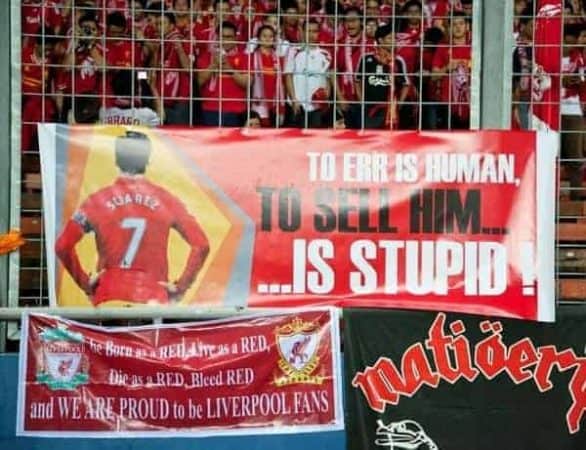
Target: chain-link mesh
381	64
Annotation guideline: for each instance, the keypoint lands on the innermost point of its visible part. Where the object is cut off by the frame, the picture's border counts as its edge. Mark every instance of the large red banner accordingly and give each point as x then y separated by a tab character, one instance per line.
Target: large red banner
260	374
450	221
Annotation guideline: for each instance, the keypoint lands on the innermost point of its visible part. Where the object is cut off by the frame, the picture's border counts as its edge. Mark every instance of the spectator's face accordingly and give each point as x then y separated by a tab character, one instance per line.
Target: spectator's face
387	42
182	6
223	10
371	28
413	14
301	6
267	38
138	9
311	33
291	18
164	25
372	8
459	27
352	24
272	21
582	38
116	31
228	39
89	29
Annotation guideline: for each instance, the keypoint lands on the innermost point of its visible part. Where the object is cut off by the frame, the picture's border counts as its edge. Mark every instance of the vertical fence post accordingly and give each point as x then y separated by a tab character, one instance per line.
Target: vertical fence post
496	64
6	155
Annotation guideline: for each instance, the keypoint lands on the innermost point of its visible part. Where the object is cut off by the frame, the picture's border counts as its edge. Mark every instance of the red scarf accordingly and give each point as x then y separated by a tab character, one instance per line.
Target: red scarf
258	87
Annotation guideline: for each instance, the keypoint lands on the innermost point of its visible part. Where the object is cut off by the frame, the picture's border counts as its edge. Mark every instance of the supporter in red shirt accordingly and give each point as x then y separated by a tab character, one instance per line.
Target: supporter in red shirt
138	19
120	50
409	37
408	48
87	55
183	17
451	66
245	15
370	27
291	25
436	13
372	11
108	7
223	74
131	220
35	14
37	104
430	93
150	31
173	62
573	145
351	48
331	26
268	89
205	30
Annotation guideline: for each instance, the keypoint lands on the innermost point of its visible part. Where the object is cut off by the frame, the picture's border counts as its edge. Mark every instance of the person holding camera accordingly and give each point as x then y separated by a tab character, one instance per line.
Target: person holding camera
173	60
224	81
86	55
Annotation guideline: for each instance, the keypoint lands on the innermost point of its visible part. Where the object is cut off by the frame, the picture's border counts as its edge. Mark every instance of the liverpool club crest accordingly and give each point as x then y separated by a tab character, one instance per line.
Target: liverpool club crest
62	362
298	343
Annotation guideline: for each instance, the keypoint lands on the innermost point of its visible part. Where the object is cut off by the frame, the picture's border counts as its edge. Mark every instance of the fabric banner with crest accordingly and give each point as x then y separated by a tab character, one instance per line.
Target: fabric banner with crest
267	373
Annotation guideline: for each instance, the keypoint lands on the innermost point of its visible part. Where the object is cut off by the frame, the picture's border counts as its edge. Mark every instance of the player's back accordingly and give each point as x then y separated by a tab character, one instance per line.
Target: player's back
131	219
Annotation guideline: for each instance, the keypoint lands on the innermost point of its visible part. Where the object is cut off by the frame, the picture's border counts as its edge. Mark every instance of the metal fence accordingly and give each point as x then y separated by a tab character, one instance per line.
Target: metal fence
267	63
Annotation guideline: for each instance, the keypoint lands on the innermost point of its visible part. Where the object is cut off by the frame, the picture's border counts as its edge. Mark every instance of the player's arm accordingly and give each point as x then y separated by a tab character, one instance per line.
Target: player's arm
189	229
65	248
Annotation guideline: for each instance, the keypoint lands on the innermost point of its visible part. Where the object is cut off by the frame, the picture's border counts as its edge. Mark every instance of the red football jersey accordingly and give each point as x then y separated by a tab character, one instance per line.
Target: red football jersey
132	220
224	86
35	71
455	87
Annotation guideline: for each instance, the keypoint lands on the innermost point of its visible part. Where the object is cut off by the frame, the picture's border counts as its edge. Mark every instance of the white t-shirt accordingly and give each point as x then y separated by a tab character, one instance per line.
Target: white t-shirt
309	67
129	116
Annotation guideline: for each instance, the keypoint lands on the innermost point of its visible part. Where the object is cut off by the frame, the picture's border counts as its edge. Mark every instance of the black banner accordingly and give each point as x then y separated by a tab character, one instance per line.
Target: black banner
421	381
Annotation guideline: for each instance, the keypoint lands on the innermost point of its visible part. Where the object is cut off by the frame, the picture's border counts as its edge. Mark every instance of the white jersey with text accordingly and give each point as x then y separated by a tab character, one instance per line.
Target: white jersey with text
129	116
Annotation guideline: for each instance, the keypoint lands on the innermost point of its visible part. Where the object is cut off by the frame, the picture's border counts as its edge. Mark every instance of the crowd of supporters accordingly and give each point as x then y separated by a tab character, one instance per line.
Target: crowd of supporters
394	64
527	80
388	64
